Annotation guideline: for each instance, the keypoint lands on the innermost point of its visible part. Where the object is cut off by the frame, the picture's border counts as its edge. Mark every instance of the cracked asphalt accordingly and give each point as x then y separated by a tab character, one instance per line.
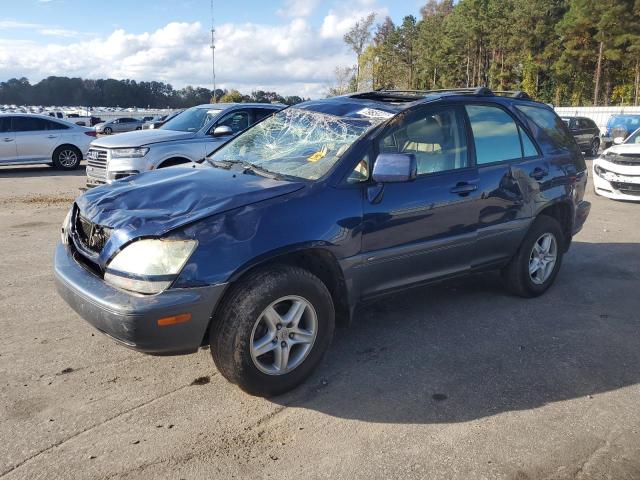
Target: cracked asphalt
455	381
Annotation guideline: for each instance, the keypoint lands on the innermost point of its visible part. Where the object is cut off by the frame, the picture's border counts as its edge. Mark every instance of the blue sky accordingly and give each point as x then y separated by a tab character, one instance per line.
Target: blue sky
292	46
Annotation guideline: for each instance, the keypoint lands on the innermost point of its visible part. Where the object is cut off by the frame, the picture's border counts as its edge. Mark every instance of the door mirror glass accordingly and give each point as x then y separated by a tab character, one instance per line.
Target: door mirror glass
395	167
222	131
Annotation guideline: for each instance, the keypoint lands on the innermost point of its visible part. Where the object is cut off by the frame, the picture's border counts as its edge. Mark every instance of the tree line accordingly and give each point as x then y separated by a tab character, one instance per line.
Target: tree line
565	52
123	93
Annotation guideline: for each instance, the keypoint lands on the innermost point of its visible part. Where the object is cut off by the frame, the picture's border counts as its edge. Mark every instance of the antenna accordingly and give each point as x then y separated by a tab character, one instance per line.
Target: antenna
213	55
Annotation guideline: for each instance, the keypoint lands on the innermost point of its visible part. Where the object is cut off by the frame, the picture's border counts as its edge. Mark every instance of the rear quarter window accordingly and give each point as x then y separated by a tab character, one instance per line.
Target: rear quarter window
550	131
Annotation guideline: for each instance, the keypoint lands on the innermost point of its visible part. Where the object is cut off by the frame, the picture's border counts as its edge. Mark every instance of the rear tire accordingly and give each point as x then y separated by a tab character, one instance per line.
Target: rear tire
66	157
518	275
246	326
107	131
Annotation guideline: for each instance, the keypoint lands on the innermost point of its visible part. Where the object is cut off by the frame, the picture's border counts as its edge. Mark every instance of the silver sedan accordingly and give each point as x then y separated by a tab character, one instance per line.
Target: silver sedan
124	124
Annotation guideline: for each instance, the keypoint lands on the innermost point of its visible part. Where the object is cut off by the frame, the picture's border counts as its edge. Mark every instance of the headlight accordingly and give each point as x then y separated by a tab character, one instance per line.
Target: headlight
129	152
149	266
64	232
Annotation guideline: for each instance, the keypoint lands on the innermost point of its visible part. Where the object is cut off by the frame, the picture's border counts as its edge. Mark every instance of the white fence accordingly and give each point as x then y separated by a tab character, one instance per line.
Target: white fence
600	115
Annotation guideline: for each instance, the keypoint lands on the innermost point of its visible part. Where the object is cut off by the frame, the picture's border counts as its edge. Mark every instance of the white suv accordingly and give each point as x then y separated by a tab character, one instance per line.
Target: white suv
188	137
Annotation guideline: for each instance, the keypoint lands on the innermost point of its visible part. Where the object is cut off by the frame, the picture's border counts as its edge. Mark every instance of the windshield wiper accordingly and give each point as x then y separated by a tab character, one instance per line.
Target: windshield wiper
247	167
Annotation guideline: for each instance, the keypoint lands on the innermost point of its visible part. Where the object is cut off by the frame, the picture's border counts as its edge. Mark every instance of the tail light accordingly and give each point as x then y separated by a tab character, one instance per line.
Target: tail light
91	133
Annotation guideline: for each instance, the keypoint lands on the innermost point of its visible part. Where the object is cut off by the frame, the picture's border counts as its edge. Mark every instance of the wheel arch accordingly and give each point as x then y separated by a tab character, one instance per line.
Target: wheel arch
67	145
173	160
318	260
562	212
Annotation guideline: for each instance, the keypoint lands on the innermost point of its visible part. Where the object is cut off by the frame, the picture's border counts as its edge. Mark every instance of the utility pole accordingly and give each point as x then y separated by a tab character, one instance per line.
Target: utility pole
213	56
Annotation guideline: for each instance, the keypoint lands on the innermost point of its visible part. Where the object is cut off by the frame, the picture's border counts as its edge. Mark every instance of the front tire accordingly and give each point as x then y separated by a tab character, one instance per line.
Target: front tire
272	330
66	158
535	266
107	131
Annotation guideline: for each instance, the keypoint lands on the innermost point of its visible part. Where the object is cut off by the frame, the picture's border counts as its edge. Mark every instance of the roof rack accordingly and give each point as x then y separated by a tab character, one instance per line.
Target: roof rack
475	91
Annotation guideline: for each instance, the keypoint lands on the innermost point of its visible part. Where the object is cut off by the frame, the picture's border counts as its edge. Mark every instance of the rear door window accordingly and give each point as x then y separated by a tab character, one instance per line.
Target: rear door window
27	124
495	133
55	125
5	124
550	132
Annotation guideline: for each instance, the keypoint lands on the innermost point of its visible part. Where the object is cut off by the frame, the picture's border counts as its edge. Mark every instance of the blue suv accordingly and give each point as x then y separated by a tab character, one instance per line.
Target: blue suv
289	226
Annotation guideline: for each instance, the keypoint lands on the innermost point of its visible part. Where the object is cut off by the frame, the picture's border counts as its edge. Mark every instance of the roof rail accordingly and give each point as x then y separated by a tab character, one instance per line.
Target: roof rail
476	91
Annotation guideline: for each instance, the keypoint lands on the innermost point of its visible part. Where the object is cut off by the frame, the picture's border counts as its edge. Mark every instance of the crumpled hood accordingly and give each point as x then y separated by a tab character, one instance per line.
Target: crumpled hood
154	203
139	138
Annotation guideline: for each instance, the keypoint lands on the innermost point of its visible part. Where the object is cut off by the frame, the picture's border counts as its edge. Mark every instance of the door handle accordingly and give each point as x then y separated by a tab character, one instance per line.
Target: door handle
538	173
8	139
463	188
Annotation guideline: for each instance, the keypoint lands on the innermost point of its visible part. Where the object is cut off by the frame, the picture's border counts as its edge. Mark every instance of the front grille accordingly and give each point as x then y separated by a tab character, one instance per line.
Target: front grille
97	162
628	188
92	236
631	159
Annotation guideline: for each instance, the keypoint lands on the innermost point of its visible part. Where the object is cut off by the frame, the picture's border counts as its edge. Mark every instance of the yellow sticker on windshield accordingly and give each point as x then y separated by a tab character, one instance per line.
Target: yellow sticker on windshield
318	155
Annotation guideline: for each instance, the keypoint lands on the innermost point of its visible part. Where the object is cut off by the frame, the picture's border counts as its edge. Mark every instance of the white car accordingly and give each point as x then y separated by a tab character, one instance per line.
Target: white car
616	173
28	139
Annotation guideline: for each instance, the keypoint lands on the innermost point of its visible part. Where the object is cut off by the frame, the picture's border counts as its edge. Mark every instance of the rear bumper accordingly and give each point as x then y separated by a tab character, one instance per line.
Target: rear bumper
132	319
582	212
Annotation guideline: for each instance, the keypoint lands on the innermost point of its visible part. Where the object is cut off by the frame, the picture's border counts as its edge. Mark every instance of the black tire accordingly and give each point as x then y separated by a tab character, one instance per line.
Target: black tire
516	274
230	334
595	147
66	157
107	131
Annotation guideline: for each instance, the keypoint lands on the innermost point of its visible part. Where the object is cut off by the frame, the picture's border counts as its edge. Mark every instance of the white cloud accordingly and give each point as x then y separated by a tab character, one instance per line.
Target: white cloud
294	58
58	32
298	8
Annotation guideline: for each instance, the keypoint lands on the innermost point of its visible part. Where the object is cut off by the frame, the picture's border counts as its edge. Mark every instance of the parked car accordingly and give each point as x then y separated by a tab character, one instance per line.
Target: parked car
619	127
124	124
159	121
32	139
71	118
188	137
616	174
294	222
586	133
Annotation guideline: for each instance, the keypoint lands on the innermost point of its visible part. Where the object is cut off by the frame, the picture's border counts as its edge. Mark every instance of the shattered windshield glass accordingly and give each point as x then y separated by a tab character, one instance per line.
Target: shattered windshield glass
295	142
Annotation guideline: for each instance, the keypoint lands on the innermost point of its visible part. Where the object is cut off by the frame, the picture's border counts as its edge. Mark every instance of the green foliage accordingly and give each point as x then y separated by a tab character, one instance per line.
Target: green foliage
549	48
122	93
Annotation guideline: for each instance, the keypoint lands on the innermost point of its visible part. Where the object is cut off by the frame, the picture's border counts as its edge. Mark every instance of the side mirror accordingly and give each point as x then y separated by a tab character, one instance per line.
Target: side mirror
395	168
222	131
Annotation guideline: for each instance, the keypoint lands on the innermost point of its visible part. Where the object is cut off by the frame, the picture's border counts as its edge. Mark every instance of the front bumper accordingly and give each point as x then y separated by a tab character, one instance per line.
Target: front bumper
132	319
107	169
619	182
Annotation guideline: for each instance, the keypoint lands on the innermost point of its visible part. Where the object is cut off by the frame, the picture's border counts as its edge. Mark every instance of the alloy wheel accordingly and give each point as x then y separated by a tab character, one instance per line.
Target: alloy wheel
543	257
68	158
283	335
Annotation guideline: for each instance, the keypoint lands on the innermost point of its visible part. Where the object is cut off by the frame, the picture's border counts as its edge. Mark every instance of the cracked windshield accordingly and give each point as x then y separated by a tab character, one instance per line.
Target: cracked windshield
296	142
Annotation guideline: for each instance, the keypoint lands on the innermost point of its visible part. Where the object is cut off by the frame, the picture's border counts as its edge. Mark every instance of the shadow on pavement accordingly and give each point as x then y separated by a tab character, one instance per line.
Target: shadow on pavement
466	349
26	171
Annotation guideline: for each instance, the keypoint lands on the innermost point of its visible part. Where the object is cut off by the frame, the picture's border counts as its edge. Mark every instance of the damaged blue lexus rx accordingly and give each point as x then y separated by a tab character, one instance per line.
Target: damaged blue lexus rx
280	233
